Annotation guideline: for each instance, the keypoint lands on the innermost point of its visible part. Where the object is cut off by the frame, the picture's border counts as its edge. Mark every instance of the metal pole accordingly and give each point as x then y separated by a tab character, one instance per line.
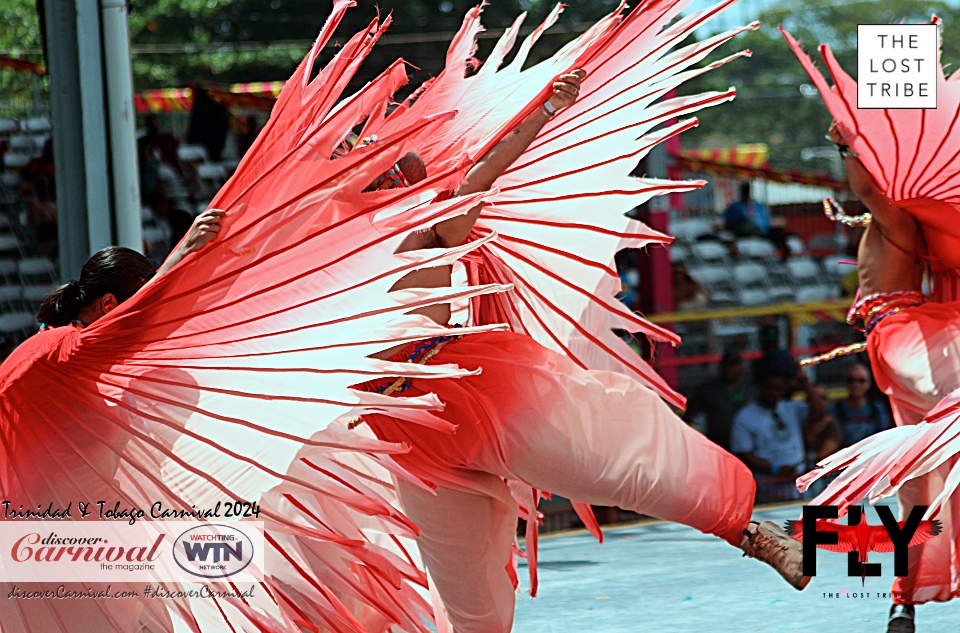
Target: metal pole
96	174
121	122
67	135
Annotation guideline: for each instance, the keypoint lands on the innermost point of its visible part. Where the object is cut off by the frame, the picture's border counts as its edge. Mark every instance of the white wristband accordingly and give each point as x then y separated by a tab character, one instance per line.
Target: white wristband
549	109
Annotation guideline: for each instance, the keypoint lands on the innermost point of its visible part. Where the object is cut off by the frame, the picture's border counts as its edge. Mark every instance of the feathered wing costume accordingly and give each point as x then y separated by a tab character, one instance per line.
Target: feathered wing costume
559	214
914	157
559	219
210	384
912	154
230	376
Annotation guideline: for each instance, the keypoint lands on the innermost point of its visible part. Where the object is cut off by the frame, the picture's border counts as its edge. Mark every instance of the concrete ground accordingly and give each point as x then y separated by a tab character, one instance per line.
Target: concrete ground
669	578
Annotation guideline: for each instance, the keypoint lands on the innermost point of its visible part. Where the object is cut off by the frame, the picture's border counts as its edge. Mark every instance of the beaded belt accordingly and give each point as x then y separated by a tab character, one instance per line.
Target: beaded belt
871	310
421	354
876	307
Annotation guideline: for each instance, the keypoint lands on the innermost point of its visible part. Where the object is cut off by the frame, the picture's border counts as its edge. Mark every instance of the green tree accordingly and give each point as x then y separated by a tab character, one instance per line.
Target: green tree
225	41
772	104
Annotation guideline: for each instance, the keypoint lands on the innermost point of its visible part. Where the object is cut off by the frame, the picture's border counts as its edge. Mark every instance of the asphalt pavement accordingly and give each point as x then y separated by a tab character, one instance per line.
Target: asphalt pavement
667	578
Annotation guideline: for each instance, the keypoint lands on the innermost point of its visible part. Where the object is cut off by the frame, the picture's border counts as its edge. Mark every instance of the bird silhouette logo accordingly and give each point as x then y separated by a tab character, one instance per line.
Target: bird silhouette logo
863	538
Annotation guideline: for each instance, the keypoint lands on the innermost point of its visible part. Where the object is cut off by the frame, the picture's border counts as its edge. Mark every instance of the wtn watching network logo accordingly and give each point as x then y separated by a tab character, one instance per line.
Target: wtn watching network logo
115	551
858	539
213	551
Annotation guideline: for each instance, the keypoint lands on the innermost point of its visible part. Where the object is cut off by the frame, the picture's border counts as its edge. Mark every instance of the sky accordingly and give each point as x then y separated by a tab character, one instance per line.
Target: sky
745	11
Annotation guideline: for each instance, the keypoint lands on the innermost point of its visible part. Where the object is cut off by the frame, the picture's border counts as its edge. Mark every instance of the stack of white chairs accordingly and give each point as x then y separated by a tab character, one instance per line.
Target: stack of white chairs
38	277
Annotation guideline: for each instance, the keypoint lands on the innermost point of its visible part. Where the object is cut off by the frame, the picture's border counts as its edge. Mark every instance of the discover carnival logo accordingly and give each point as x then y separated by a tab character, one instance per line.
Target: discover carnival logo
110	551
213	551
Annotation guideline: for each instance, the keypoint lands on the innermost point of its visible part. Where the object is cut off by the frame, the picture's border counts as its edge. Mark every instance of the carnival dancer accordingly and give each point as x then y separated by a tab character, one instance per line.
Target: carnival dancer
197	386
229	376
914	349
533	416
536	418
909	162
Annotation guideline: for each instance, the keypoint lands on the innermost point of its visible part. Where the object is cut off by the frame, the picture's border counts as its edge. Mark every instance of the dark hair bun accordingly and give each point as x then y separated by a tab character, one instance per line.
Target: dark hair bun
114	270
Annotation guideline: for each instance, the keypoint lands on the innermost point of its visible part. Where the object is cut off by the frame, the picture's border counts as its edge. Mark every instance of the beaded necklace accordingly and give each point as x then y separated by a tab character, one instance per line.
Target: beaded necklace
394	174
76	323
835	213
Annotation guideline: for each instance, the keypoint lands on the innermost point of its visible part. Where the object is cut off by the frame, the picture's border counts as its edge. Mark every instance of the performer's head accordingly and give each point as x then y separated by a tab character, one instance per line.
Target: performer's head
409	170
745	191
107	279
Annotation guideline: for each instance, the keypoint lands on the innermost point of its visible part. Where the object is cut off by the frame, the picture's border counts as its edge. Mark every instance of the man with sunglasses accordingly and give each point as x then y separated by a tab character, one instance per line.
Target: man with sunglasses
768	434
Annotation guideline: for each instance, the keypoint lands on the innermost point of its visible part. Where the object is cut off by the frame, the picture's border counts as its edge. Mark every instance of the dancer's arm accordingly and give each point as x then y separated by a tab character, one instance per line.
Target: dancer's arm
885	211
491	165
204	229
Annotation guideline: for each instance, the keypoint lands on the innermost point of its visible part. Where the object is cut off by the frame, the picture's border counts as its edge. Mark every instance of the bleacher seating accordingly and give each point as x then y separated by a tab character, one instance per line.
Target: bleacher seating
795	245
804	271
835	269
193	153
716	278
782	294
36	125
824	245
750	275
10	246
38	276
756	248
689	230
810	294
678	253
710	252
211	177
21	323
754	296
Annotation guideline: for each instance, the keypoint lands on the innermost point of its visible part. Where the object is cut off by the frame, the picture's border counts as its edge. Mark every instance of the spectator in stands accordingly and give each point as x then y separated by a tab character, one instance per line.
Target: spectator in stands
179	203
42	216
41	167
688	293
719	399
772	352
149	171
746	216
151	131
629	280
824	436
768	434
859	415
247	134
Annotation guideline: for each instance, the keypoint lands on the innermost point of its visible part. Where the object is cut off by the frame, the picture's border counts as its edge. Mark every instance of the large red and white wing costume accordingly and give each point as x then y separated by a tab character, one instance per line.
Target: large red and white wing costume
560	211
230	376
213	382
878	466
910	153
